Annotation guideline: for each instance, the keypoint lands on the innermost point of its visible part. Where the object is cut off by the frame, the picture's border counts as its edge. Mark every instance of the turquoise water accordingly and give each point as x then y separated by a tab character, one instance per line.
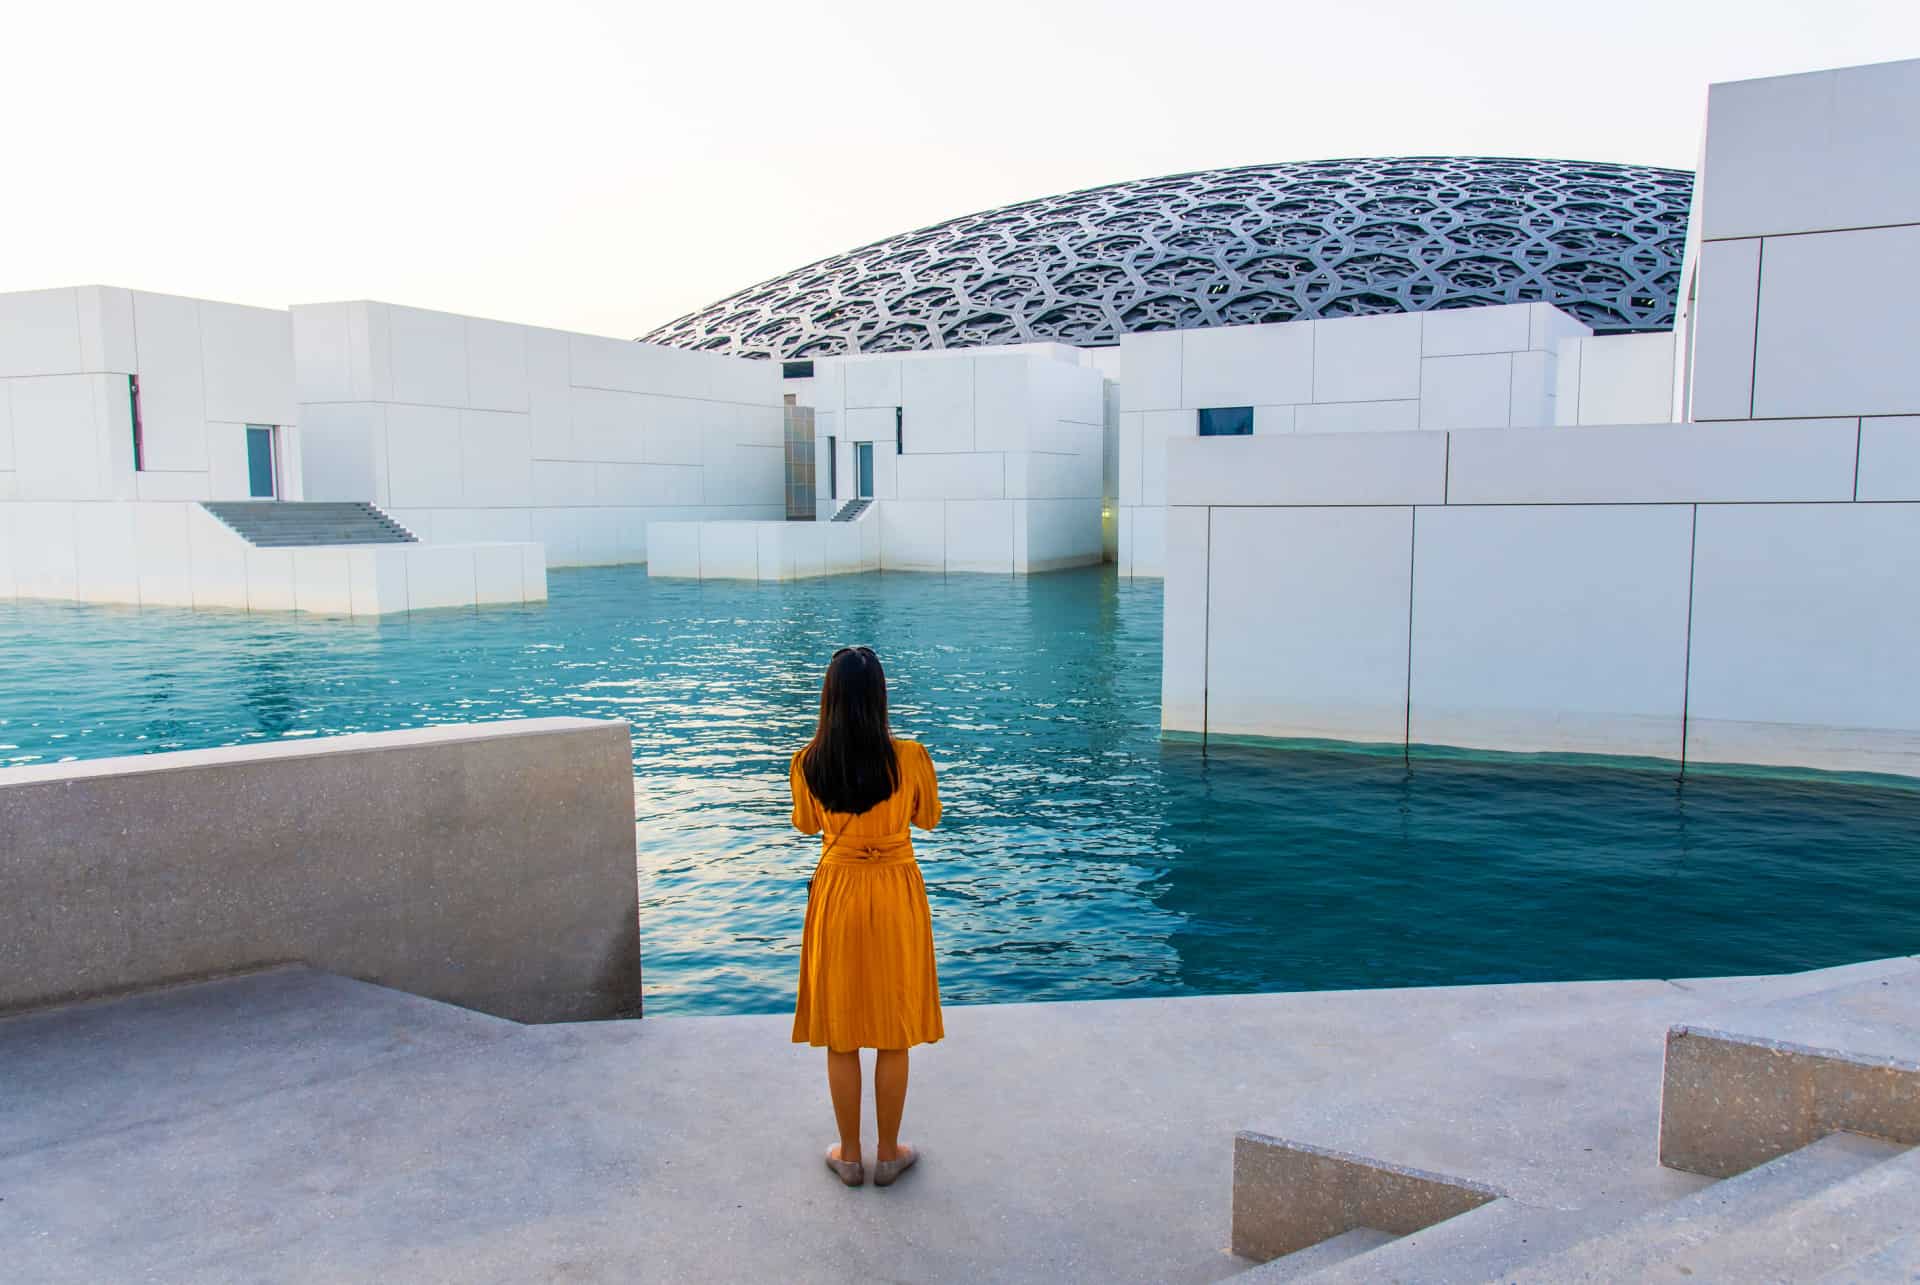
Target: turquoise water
1082	856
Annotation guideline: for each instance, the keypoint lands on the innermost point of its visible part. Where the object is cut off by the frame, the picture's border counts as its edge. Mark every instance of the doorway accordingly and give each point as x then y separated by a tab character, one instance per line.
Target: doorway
863	470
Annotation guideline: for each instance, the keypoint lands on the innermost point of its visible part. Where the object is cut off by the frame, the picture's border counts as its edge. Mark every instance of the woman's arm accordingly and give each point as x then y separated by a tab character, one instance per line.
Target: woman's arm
806	812
926	793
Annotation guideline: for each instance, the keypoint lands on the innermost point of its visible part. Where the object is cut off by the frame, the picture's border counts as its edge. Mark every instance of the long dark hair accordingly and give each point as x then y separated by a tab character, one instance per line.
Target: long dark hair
849	764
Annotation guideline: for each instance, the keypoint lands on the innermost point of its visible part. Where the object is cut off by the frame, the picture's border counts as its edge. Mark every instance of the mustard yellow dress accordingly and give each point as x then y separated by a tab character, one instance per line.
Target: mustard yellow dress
866	956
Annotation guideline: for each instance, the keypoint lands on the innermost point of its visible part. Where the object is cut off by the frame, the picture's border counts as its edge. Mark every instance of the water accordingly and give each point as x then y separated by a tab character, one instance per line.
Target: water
1081	856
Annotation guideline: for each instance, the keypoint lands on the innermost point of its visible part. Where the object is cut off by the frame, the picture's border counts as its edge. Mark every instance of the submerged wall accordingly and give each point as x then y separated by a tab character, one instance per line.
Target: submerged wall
489	865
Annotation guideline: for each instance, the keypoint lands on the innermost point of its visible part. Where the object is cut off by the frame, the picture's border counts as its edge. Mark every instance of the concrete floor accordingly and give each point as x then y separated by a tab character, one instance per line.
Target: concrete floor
296	1126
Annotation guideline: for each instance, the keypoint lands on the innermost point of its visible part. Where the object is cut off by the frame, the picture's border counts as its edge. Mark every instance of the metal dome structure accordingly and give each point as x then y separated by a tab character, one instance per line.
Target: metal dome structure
1227	247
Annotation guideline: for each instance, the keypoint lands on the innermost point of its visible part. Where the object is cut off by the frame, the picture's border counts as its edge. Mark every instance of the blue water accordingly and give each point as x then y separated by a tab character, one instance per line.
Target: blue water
1082	856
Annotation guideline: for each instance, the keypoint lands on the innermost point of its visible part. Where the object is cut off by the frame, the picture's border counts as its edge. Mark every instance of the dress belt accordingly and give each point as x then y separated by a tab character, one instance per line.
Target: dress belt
875	850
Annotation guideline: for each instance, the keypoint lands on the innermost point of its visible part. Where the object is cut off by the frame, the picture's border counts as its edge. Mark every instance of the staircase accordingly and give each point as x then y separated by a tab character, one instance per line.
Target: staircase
1807	1109
852	509
281	524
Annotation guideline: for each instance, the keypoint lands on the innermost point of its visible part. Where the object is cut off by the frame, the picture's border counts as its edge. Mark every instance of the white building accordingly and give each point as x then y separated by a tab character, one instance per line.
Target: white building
972	460
1738	588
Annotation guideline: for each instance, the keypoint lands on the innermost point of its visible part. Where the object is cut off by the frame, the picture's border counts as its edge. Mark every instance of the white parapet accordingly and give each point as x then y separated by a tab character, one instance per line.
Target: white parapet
762	550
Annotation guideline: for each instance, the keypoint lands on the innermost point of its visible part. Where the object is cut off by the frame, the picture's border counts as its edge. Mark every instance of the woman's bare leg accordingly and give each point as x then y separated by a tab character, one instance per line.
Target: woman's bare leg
889	1098
843	1082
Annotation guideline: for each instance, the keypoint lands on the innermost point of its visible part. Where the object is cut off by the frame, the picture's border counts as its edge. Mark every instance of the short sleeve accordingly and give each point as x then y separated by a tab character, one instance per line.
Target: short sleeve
806	811
926	790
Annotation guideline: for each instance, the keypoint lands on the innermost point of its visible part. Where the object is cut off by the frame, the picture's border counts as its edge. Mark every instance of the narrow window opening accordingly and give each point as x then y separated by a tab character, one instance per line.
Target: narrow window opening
139	443
1226	421
899	432
796	370
833	468
260	470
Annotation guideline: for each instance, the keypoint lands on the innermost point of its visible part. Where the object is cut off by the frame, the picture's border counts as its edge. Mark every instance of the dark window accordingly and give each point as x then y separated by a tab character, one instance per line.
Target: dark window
796	370
133	403
899	432
833	468
1226	421
259	462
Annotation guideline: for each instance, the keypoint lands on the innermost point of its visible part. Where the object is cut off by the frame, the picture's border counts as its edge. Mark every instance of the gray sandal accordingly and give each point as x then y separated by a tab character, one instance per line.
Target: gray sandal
851	1172
885	1171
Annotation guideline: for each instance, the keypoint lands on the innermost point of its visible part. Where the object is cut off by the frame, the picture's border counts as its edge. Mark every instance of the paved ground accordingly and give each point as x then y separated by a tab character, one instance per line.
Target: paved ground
296	1126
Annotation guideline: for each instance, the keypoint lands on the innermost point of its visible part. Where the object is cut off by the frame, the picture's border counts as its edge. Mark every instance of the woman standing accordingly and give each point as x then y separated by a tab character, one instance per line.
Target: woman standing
866	957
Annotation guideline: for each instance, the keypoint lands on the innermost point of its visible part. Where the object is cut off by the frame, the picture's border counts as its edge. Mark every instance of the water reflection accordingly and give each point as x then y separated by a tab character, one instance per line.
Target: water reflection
1081	856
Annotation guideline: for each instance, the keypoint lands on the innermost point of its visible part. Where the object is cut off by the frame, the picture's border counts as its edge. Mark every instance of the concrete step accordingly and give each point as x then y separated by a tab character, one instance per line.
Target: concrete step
1897	1260
1826	1230
1314	1258
1737	1206
1477	1246
275	524
852	510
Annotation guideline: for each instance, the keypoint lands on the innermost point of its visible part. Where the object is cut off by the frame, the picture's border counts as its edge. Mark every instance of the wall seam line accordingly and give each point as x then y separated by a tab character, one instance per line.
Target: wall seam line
1686	664
1206	639
1859	433
1413	542
1753	370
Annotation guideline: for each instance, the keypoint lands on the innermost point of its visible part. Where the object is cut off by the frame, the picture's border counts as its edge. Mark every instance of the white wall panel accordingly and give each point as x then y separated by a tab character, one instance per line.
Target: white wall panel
423	456
568	482
872	382
163	487
439	576
979	535
40	333
870	424
1631	464
473	526
1273	419
1827	149
1250	365
729	551
1068	393
1003	407
160	535
1551	628
1466	392
327	348
533	573
497	574
173	405
496	365
1453	332
549	392
1299	469
57	451
937	404
1157	429
1051	533
1183	652
1548	327
219	561
343	448
673	549
1532	401
1357	417
613	426
1308	623
1804	618
1890	459
1626	379
495	457
106	554
270	580
1049	475
378	579
429	353
1152	362
972	476
323	581
1132	427
6	426
1149	541
248	356
730	475
106	329
1836	324
913	535
1366	359
1726	307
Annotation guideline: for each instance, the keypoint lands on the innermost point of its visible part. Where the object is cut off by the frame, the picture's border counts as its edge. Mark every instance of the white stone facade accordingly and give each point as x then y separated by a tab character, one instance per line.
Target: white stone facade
1738	589
466	429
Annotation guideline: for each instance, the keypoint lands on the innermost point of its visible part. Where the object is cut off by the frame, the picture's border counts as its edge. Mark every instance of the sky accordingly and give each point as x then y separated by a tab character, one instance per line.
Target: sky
607	167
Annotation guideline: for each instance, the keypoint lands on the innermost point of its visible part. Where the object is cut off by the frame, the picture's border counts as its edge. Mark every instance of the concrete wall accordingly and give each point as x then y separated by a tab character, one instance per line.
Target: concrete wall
1616	379
1735	593
764	550
472	430
490	865
1492	367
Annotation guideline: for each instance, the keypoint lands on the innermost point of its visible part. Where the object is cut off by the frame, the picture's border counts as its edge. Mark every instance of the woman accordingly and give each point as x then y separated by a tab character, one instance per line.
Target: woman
866	956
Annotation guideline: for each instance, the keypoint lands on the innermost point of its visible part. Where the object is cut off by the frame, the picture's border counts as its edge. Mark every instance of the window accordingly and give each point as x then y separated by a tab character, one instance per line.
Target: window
1226	421
833	468
133	405
796	370
899	432
260	461
863	470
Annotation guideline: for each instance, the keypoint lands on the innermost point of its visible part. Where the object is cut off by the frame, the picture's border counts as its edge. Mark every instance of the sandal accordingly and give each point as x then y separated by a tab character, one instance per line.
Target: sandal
851	1172
885	1171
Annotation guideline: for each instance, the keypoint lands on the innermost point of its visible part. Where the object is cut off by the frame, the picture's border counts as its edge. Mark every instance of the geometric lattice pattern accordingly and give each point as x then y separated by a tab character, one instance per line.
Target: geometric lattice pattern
1227	247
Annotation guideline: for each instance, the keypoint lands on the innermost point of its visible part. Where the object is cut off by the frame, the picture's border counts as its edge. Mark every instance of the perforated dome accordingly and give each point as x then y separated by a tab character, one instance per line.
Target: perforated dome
1228	247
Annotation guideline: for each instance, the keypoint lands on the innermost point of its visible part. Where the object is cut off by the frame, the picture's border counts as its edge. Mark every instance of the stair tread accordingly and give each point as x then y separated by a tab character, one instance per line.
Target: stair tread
1735	1204
1897	1260
288	524
1304	1262
1476	1246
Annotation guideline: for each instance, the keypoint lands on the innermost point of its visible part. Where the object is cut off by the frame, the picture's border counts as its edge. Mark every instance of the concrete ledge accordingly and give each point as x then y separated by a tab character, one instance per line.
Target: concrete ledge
1730	1102
488	865
1289	1195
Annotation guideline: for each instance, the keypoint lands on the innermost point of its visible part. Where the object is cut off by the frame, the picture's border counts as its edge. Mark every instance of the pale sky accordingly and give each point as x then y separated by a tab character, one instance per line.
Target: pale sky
608	166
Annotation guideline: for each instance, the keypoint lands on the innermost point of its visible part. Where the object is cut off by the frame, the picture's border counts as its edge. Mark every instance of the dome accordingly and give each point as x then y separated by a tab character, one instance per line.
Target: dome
1228	247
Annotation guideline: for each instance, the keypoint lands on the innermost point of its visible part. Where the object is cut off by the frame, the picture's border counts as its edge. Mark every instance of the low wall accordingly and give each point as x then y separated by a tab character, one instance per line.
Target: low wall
762	550
489	865
1728	593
